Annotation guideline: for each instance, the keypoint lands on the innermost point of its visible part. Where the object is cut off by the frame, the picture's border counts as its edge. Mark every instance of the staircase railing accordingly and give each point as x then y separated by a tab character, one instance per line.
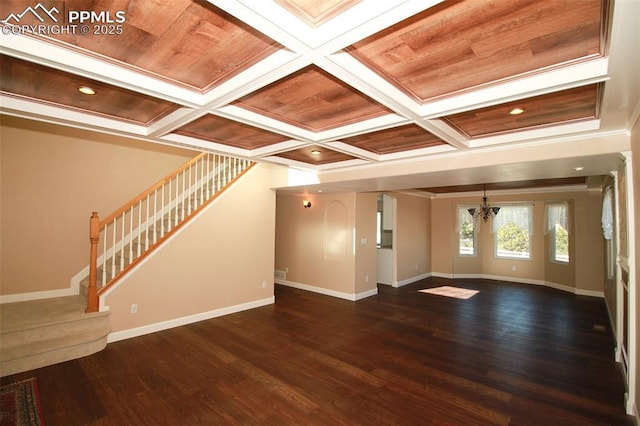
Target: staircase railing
128	235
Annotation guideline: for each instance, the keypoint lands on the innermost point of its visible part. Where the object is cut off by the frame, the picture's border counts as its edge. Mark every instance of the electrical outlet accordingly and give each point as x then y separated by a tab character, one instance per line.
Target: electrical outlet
264	284
366	278
514	268
134	308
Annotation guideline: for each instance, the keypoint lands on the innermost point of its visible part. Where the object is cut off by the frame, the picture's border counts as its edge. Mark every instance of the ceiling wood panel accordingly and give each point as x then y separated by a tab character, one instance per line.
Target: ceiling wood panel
459	45
567	106
397	139
498	186
56	87
316	155
228	132
317	12
314	100
188	42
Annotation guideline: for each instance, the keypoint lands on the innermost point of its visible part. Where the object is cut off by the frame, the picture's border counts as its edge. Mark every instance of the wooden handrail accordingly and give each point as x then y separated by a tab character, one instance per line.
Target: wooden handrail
96	226
152	188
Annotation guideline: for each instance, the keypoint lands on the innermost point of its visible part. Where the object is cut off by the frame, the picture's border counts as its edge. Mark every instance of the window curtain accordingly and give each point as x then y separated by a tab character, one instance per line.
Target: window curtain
557	214
607	214
520	215
464	217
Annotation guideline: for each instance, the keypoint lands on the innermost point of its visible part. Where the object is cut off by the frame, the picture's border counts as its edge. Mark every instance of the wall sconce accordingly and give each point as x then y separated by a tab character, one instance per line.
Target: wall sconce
306	204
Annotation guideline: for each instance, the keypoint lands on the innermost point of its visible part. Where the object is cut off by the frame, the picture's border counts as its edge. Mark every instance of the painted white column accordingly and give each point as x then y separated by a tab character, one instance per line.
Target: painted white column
620	325
630	397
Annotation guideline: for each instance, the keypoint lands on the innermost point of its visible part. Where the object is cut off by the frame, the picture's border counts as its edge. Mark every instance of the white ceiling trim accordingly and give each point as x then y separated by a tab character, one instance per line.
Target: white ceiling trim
353	24
273	68
260	121
181	140
541	83
536	134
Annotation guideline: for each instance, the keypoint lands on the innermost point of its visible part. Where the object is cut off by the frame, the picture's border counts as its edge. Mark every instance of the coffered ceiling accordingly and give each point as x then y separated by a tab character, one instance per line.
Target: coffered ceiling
335	85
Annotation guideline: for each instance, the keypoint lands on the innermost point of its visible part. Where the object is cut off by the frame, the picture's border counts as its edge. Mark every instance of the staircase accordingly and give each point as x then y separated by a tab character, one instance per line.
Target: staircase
38	333
43	332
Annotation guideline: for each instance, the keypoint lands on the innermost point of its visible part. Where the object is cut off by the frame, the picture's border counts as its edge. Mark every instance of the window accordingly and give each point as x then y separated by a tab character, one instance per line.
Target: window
466	232
558	230
512	231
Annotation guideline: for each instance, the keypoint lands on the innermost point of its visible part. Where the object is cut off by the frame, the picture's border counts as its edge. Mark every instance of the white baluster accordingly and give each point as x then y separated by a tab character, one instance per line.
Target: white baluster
175	216
169	206
216	173
226	172
148	226
209	175
113	249
131	235
162	212
139	227
104	256
122	245
202	162
189	193
183	206
155	215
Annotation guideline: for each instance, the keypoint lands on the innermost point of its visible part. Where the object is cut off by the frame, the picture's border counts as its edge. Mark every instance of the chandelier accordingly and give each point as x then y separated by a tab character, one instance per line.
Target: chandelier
485	210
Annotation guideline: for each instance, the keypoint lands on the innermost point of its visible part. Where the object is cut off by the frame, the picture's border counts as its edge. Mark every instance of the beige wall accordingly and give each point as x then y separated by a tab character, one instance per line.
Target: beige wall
317	246
52	177
442	228
586	245
222	259
413	237
366	260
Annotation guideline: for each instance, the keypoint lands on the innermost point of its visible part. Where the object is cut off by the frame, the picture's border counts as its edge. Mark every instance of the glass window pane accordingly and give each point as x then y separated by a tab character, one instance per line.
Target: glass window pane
512	231
466	233
558	227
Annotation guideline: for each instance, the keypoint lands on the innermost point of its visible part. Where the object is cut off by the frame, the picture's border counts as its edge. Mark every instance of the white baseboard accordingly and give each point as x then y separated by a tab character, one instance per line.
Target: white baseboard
77	278
413	279
365	294
341	295
577	291
165	325
442	275
591	293
37	295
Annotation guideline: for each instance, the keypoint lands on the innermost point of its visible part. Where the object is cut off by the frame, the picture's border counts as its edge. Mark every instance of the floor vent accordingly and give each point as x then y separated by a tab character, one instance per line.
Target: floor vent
280	275
599	327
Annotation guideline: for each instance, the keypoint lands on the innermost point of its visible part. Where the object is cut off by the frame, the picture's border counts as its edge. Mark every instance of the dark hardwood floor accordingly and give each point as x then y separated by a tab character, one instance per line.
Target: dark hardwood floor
513	354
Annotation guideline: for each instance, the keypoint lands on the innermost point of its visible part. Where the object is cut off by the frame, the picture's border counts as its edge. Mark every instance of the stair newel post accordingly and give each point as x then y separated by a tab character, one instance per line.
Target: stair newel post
94	237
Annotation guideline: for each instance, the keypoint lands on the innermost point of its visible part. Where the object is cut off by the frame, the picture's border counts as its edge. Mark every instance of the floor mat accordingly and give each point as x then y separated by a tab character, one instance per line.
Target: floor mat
458	293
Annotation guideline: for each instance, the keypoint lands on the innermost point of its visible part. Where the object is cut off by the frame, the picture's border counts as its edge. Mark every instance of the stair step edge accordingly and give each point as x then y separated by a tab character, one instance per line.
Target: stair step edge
10	352
83	316
31	362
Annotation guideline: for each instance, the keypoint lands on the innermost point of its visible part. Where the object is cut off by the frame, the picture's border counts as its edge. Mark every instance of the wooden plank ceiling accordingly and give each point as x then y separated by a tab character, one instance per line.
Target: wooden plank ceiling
290	82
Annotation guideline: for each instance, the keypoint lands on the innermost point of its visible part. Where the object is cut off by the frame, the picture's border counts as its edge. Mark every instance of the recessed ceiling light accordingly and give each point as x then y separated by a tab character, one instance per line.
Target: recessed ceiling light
316	152
577	169
516	111
86	90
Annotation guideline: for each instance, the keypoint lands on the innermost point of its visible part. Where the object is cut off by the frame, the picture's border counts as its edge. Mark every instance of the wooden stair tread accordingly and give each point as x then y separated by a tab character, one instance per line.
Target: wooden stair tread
36	313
